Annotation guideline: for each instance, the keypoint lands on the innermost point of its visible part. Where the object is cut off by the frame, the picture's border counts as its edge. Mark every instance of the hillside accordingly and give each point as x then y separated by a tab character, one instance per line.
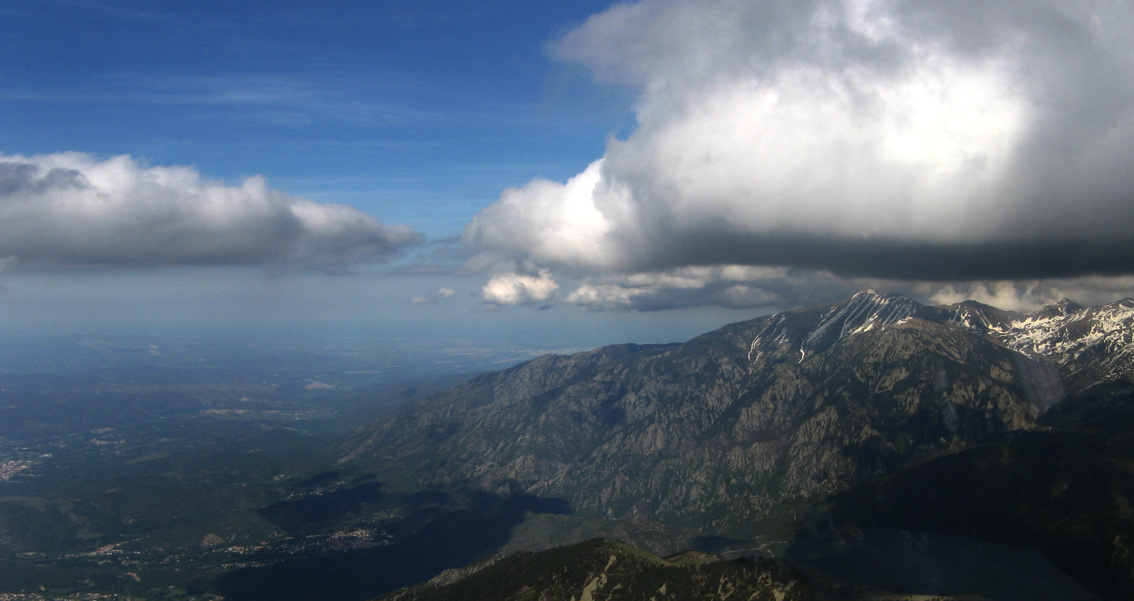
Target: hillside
944	450
752	420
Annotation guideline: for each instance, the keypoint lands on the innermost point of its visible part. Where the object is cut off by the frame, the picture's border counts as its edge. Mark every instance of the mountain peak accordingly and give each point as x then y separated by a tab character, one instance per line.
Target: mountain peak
861	313
872	295
803	333
978	317
1059	308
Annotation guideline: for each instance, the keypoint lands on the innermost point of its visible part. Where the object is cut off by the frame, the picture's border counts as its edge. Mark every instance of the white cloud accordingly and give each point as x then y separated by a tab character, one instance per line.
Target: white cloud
1011	296
732	286
519	289
76	209
440	294
928	140
550	221
1029	295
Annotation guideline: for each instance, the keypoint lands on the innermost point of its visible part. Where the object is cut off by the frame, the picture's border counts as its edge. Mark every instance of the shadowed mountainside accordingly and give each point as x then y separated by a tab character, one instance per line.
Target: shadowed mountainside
441	531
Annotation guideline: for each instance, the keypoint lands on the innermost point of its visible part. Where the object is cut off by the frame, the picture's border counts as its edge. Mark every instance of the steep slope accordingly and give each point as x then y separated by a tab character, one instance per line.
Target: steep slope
746	421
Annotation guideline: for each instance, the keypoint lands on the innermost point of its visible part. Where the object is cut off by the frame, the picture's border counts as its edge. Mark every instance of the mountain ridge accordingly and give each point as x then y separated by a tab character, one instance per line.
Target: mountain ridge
741	423
598	569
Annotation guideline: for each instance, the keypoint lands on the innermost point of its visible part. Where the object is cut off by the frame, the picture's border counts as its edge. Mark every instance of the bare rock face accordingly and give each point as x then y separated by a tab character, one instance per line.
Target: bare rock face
748	420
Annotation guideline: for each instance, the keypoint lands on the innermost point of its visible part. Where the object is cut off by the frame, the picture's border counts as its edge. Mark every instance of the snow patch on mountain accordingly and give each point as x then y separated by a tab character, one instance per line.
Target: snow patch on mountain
861	313
1065	331
775	337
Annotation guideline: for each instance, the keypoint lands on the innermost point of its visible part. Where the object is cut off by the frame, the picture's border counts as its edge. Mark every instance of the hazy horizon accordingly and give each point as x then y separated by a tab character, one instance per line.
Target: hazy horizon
567	176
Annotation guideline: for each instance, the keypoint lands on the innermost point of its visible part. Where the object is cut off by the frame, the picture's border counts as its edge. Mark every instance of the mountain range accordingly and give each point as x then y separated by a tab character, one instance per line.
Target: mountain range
736	424
768	428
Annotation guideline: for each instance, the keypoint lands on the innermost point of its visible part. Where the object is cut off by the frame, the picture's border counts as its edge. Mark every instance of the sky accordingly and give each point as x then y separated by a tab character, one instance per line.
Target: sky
566	174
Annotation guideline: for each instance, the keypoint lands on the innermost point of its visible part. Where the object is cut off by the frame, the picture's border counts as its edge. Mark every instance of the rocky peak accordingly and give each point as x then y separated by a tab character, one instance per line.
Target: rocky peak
1060	308
1092	345
803	333
861	313
979	317
1060	328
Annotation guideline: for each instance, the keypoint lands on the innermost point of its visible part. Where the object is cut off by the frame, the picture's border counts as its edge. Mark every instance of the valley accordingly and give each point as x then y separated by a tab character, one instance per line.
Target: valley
129	473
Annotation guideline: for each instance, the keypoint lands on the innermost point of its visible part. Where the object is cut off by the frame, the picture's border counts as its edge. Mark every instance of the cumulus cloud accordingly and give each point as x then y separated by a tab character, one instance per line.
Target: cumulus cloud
440	294
916	140
76	209
519	289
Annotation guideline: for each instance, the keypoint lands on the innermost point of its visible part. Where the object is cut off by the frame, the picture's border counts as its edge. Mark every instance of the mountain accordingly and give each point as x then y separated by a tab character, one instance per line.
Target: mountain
599	569
760	417
1067	493
1093	346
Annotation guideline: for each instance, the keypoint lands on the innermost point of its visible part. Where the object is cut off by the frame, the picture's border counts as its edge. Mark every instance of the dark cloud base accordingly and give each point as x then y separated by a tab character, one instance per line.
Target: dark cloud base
898	260
972	141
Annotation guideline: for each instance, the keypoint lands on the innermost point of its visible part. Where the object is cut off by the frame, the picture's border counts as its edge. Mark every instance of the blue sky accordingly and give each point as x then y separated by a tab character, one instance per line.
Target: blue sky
419	112
566	174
